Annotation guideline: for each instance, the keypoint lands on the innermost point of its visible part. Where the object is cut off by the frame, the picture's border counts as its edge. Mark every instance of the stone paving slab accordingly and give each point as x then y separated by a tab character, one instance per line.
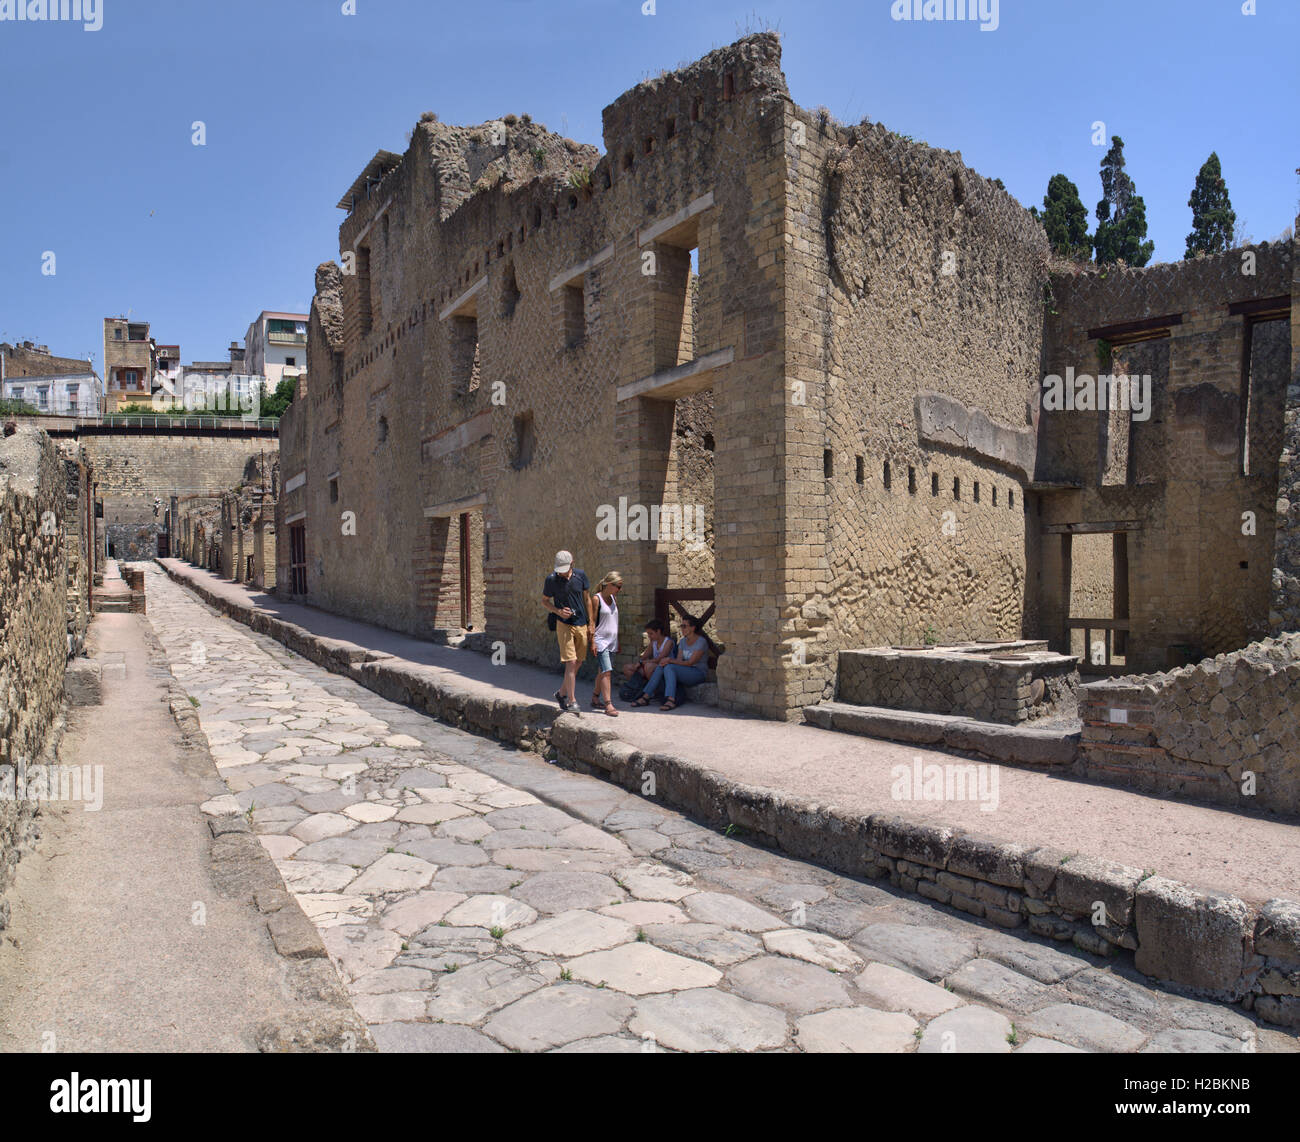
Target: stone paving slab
530	923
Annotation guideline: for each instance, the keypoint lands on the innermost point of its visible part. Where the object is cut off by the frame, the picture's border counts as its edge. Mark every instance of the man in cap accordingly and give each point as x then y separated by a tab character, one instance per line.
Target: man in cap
566	595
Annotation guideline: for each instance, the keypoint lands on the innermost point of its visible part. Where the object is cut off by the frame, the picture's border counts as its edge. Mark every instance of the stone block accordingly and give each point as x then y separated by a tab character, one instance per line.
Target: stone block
1192	938
910	840
1042	866
295	937
1083	882
985	859
1277	931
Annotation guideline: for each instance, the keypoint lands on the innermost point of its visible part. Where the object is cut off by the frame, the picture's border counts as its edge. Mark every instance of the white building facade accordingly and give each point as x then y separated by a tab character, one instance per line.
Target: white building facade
275	346
212	392
70	394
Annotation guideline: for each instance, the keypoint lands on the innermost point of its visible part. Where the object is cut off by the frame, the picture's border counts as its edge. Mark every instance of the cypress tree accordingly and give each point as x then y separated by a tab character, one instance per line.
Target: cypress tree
1213	218
1121	214
1065	219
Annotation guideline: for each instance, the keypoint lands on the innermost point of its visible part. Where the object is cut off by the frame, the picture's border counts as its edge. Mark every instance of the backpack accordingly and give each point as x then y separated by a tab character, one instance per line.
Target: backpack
633	688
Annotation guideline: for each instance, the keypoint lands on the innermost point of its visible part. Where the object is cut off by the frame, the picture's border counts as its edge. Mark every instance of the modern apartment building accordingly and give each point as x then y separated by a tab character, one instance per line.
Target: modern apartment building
275	346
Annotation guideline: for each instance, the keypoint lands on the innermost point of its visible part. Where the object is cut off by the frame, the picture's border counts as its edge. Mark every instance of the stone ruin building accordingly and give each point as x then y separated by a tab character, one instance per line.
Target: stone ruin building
232	532
832	342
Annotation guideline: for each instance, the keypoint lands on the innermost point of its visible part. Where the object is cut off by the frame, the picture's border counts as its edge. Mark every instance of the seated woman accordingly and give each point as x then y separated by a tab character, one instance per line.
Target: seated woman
688	668
658	652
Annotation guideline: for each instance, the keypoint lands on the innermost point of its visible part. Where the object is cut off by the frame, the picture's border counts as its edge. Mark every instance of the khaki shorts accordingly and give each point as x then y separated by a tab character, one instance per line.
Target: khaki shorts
572	640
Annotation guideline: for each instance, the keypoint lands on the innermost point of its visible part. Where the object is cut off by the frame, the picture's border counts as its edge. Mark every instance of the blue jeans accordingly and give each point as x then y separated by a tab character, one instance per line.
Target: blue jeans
670	676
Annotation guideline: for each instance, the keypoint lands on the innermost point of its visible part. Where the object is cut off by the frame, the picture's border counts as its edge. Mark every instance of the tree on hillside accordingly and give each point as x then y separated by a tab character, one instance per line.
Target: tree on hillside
1065	219
1121	214
1213	219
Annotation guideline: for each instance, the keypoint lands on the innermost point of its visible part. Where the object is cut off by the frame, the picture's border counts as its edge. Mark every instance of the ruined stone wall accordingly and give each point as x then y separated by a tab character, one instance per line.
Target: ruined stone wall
1284	613
529	434
80	552
293	450
1224	730
913	282
264	549
133	541
135	469
850	388
1199	566
33	618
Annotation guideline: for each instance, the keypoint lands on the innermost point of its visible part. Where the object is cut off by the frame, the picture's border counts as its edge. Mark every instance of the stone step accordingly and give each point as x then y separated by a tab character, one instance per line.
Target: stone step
705	694
1054	745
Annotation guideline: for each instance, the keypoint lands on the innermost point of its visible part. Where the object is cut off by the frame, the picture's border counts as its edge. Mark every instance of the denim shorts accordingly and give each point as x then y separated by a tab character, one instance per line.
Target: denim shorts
604	664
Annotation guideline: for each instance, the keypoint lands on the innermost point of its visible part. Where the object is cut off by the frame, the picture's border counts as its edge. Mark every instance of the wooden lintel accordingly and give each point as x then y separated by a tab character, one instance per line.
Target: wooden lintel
1262	308
1127	330
1092	528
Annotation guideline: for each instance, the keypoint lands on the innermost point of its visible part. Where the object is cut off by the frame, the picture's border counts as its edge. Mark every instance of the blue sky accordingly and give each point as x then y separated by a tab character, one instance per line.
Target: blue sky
97	163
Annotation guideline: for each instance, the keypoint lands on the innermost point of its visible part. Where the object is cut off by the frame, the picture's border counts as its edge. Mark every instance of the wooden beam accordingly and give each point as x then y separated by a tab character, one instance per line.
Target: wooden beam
1263	308
1116	334
1092	528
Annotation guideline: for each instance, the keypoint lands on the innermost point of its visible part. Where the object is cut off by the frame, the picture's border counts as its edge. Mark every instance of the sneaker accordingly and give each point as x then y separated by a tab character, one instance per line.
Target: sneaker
568	707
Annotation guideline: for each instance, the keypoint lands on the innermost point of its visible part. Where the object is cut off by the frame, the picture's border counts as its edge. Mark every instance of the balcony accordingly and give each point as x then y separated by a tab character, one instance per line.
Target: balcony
286	338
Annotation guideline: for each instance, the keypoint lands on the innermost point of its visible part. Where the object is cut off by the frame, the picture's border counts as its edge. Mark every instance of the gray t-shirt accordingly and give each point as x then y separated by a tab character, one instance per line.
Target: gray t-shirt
686	649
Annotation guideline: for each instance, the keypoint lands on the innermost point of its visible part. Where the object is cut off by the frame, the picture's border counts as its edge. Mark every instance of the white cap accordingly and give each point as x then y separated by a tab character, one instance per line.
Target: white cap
563	560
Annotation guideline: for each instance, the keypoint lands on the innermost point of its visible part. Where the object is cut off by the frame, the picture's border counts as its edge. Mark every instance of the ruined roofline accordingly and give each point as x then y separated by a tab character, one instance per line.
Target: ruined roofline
1262	251
751	64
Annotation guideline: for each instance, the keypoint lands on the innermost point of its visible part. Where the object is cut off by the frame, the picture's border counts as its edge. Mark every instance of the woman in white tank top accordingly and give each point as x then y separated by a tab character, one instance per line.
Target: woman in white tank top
604	639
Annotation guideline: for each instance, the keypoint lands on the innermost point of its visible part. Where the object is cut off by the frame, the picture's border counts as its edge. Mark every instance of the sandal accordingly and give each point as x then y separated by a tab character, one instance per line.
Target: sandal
642	701
670	704
610	711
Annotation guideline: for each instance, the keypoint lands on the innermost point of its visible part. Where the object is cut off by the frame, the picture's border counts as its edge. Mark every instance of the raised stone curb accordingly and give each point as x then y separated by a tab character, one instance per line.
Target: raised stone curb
1201	942
1013	745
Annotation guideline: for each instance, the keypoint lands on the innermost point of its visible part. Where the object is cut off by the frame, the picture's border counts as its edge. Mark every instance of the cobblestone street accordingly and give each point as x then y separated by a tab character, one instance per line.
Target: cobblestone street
475	898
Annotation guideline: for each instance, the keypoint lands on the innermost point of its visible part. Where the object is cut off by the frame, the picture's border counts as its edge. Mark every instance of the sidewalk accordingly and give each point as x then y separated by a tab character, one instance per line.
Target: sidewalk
132	929
1254	858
